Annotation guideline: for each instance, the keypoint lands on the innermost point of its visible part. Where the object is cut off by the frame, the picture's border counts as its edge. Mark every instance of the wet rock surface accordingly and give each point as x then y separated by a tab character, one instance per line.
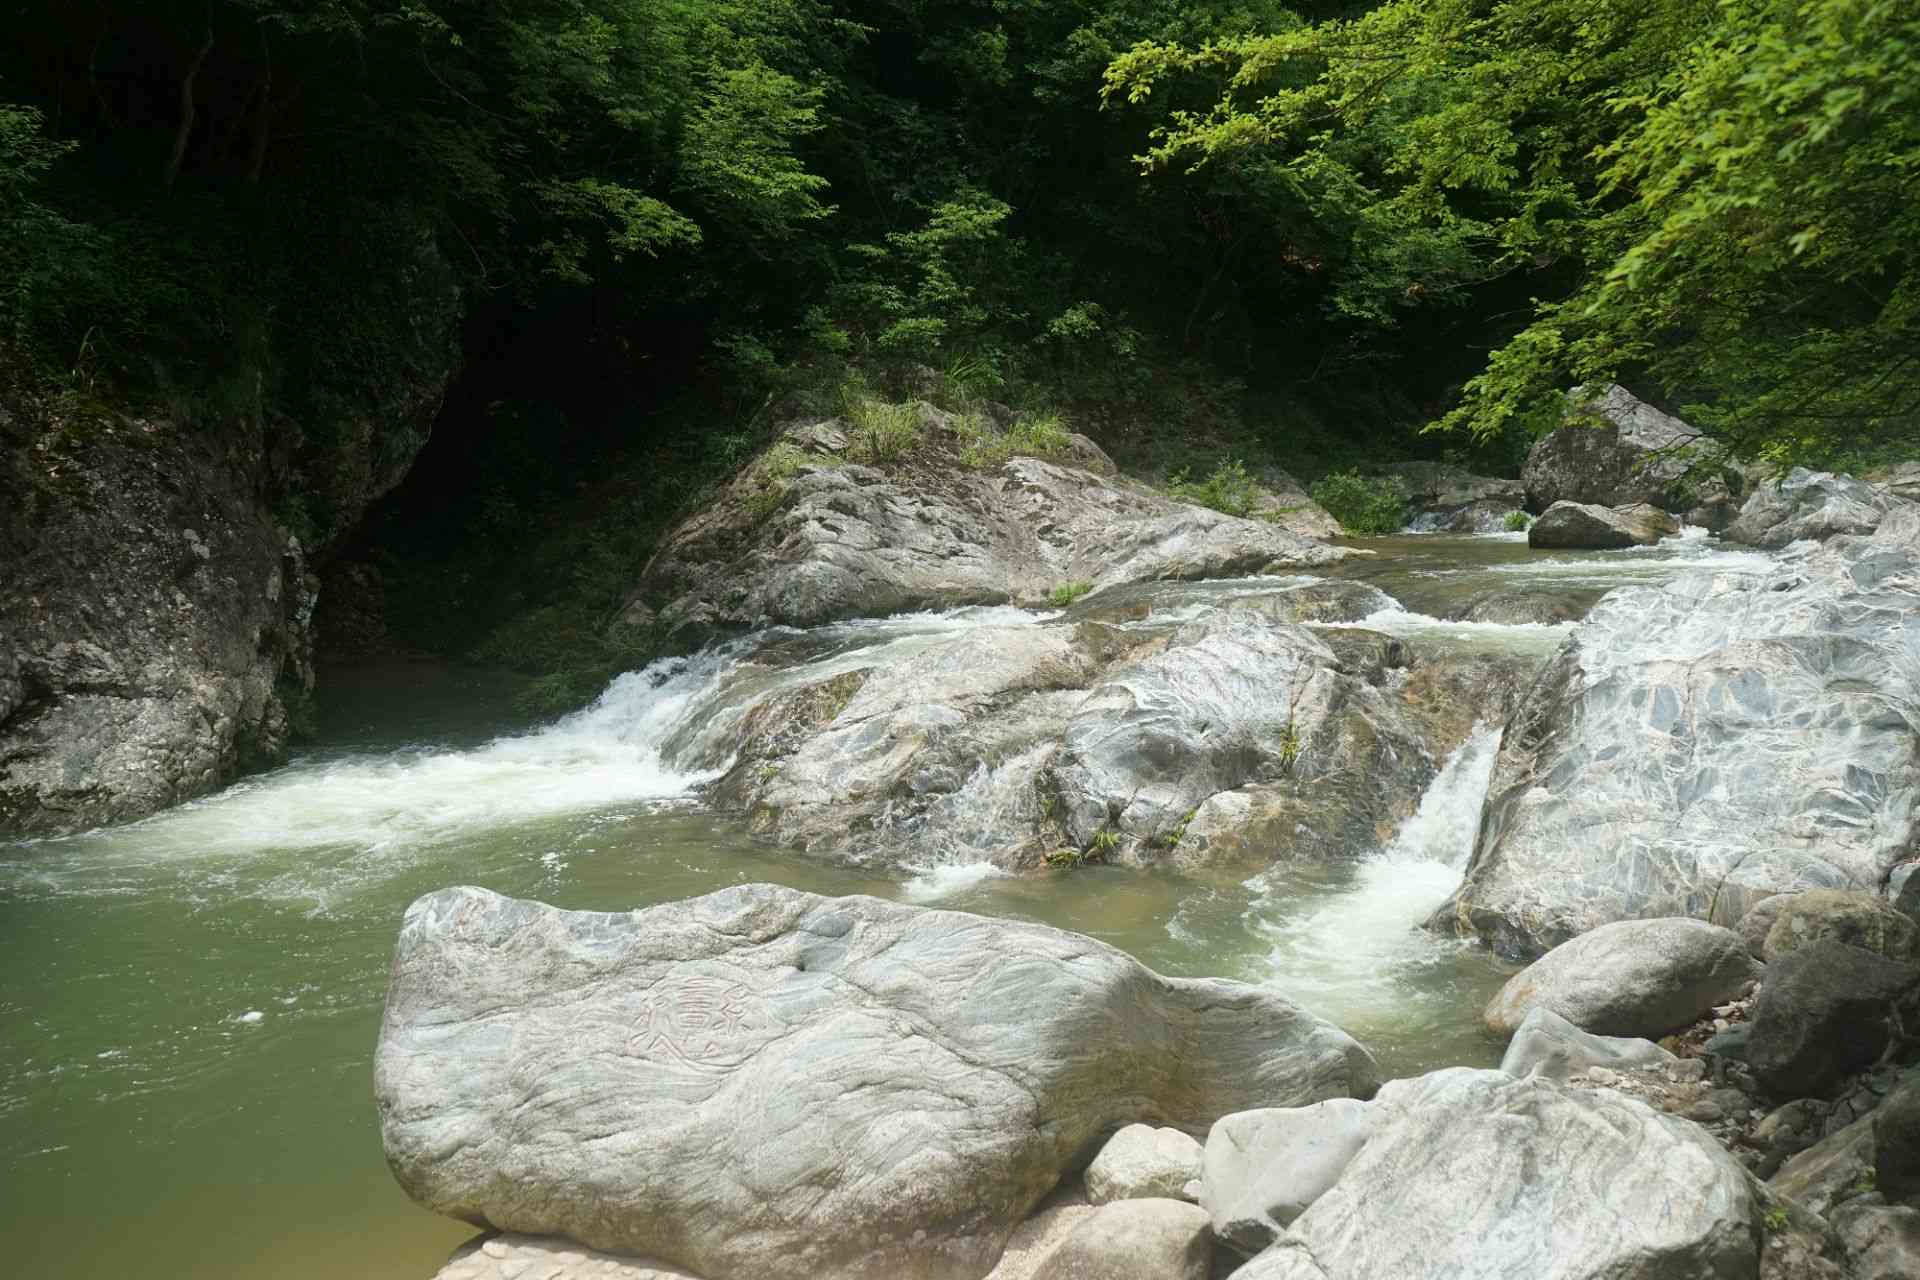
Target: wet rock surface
1812	505
1444	498
769	1083
1698	746
1619	450
1585	525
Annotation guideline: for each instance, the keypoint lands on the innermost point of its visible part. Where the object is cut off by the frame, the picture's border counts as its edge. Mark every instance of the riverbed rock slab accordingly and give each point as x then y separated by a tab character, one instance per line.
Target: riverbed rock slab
1263	1168
825	540
1141	1162
1484	1175
1283	501
1588	526
1882	1241
1854	917
1154	1239
523	1257
1812	505
1822	1011
770	1083
1546	1044
1631	978
1700	745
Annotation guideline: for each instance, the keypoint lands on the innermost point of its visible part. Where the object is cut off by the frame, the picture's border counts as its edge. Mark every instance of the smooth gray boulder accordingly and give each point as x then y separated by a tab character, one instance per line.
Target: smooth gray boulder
1546	1044
1484	1175
820	539
1631	978
1135	1240
1809	504
1577	525
1854	917
1263	1168
1282	500
1141	1162
761	1082
1615	450
1822	1011
1697	746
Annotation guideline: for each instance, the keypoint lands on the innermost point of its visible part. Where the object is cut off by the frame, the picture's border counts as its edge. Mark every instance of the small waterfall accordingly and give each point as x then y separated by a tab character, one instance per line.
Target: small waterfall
995	809
1343	956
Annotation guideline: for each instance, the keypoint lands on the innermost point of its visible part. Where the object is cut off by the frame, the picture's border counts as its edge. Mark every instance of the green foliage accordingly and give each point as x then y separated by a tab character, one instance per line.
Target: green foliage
1035	435
1776	1218
1517	522
1718	197
1067	592
1362	504
1227	489
1291	745
877	430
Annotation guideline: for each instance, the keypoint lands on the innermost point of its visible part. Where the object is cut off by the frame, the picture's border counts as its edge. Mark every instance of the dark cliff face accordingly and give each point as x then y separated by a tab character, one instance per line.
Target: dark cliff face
155	605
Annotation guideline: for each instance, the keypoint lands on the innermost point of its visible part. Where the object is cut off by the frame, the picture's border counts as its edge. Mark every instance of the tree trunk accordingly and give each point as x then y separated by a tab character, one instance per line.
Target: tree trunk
181	134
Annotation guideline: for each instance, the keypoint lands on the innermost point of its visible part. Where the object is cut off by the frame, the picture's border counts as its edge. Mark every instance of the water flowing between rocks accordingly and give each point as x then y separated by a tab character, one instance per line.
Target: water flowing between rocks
192	1001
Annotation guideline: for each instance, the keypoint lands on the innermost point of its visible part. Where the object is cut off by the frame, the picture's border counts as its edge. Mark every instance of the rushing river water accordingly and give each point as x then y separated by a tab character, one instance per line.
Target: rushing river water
189	1004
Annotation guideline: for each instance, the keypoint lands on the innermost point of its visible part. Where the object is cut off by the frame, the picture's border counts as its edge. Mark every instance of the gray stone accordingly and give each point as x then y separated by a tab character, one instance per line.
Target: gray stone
1288	1259
1615	450
1574	525
1546	1044
764	1082
1141	1162
1731	1043
1698	746
1484	1175
1040	1234
1283	501
1851	916
1758	922
1263	1168
1903	890
1836	1168
1822	1011
1882	1241
1896	1134
1135	1240
523	1257
1522	605
831	542
1443	498
1629	978
1809	504
1902	480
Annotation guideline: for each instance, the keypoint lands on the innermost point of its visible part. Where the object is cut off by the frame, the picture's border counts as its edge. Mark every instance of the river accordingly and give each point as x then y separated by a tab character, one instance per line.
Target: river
190	1003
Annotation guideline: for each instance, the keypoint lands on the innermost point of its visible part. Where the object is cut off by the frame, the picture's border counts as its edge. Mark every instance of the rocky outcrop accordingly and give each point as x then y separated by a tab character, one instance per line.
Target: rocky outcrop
1281	500
1814	505
1546	1044
155	598
1141	1162
1882	1241
1902	480
1824	1010
1697	746
766	1083
804	536
1574	525
1631	978
1443	498
1855	918
1614	450
1479	1174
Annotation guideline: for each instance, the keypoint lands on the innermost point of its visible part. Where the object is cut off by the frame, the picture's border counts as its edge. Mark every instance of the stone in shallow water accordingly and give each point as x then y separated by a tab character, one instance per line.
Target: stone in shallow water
767	1083
1631	978
1574	525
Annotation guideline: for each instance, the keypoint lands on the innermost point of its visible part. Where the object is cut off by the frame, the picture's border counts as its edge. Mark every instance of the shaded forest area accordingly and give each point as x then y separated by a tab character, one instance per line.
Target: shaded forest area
1200	230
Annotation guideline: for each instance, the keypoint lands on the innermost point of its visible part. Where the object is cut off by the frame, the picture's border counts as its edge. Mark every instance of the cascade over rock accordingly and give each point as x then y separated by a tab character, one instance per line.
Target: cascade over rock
1697	746
839	540
762	1082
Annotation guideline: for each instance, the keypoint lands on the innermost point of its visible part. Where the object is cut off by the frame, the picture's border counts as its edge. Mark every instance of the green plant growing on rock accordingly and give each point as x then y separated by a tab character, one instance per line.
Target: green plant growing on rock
1775	1219
1363	504
1228	489
1067	592
1290	747
1517	522
878	430
1041	435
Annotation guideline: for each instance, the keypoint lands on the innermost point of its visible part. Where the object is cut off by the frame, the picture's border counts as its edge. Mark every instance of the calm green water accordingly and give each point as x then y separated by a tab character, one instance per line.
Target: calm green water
189	1004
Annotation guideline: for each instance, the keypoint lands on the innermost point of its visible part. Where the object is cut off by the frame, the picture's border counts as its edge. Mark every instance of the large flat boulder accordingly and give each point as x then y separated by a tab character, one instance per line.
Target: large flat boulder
767	1083
1630	978
1809	505
1581	525
1483	1175
1697	746
803	536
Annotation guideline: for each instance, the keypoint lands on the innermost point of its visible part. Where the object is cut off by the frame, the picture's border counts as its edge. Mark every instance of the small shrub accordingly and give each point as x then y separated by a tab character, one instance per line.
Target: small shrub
1041	435
1067	592
1290	746
1363	504
1229	489
1518	521
878	430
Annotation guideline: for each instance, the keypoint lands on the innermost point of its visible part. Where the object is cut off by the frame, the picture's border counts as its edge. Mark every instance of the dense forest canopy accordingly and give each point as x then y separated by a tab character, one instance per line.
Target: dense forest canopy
1715	200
